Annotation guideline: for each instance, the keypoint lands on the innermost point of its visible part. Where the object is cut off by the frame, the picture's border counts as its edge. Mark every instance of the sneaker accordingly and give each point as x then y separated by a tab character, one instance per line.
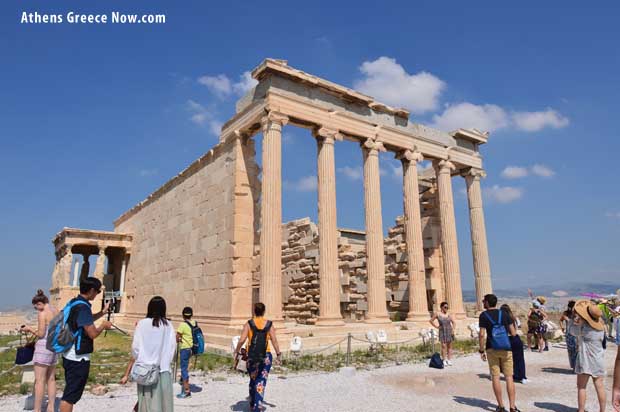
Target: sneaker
524	381
445	363
449	362
184	395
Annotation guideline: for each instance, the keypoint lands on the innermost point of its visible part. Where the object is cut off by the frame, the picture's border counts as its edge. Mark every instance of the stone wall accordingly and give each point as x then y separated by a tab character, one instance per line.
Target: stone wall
300	269
193	238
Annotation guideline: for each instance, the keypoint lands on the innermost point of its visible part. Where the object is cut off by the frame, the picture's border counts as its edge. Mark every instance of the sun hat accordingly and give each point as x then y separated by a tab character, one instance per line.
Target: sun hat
541	299
590	313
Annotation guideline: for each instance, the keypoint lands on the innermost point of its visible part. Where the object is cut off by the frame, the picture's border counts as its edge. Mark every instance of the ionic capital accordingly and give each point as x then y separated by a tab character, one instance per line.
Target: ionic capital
102	249
476	174
373	146
410	156
273	118
445	166
327	135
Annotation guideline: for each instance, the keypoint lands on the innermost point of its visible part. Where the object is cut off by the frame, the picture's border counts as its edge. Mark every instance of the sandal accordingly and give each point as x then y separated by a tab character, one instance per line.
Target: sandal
515	409
500	409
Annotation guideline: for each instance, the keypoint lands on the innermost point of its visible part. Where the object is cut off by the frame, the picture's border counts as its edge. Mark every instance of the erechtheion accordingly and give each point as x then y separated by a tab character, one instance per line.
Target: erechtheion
212	237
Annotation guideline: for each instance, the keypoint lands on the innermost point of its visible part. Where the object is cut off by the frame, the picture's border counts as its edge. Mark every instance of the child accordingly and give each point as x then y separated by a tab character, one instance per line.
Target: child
186	341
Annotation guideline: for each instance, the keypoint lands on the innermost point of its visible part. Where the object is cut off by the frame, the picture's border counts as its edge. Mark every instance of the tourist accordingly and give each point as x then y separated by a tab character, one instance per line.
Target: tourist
516	344
186	342
495	327
446	325
607	318
590	362
154	343
615	396
566	323
261	336
43	359
76	361
536	327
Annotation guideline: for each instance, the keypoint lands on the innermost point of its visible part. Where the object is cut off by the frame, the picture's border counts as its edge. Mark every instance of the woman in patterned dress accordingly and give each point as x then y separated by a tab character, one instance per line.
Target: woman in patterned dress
445	324
44	360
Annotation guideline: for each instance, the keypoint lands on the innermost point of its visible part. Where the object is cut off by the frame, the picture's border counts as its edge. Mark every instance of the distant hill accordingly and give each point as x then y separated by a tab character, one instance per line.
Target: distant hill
567	289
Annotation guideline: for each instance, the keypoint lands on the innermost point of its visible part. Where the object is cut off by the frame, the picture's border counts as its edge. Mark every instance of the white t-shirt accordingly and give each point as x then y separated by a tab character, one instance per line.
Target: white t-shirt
71	355
151	343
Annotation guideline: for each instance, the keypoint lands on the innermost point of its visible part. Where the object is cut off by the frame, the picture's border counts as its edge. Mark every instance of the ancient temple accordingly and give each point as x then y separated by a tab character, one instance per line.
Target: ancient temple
212	237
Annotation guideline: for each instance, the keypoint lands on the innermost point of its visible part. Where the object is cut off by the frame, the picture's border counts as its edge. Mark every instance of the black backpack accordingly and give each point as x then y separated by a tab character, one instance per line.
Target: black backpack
258	344
436	361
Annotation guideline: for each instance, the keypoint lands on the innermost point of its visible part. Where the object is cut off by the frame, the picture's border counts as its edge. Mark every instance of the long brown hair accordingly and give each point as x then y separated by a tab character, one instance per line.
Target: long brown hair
508	311
40	298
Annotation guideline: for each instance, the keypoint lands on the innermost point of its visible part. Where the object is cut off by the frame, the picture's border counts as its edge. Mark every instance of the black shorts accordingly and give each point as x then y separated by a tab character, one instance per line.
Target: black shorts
76	375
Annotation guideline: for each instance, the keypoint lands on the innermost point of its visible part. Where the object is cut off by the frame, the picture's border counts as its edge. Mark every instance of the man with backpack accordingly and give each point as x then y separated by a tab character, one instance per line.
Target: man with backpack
81	321
191	342
261	336
495	329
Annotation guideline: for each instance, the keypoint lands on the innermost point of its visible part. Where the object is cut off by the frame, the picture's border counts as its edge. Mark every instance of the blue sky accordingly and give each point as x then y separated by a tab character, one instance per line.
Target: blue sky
95	117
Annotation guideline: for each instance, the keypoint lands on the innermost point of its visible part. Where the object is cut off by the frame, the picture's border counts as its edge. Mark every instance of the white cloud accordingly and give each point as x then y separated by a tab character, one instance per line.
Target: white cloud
219	85
245	83
304	184
542	171
514	172
486	117
388	82
491	117
536	121
223	87
148	172
203	117
353	173
503	194
517	172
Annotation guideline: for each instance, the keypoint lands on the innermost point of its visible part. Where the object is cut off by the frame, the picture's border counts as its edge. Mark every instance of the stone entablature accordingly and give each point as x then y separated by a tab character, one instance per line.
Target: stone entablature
72	236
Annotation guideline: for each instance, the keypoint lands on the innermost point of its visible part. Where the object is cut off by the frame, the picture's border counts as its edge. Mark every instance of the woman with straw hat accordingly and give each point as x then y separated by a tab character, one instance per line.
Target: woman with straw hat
590	353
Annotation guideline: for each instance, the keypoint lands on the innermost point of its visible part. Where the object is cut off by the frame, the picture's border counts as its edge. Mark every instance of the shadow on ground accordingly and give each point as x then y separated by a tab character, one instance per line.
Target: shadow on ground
555	407
561	371
194	388
475	402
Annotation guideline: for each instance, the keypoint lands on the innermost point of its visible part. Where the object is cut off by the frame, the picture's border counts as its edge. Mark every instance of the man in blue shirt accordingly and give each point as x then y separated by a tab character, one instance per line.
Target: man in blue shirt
76	361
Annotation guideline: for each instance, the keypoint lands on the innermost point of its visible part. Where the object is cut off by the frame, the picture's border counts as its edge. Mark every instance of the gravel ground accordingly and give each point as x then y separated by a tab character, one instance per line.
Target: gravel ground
463	387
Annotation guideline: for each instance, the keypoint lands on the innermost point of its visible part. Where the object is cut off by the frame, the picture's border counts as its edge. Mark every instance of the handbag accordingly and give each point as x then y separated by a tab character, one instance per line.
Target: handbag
25	352
241	361
146	374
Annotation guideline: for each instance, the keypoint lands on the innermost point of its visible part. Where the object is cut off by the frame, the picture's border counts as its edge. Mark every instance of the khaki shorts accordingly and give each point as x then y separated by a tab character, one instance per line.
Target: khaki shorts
500	361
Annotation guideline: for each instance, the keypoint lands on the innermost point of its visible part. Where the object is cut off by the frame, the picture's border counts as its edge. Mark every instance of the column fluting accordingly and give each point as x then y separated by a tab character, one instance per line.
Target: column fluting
418	307
449	243
480	251
270	292
375	257
329	275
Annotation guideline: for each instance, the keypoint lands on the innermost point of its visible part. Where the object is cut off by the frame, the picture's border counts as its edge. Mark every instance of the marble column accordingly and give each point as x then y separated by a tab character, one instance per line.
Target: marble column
329	275
418	306
270	292
482	267
121	287
76	274
375	257
64	269
449	244
85	267
100	265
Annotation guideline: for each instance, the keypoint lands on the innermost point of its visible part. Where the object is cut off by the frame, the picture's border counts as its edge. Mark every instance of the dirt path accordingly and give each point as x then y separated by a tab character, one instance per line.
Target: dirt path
463	387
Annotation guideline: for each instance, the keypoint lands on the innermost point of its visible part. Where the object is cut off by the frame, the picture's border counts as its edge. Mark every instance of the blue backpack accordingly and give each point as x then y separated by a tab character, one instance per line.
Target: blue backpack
60	337
499	335
198	348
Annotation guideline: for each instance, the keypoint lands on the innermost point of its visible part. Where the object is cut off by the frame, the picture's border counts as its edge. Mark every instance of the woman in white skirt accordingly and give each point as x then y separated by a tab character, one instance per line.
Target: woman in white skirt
44	360
154	341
